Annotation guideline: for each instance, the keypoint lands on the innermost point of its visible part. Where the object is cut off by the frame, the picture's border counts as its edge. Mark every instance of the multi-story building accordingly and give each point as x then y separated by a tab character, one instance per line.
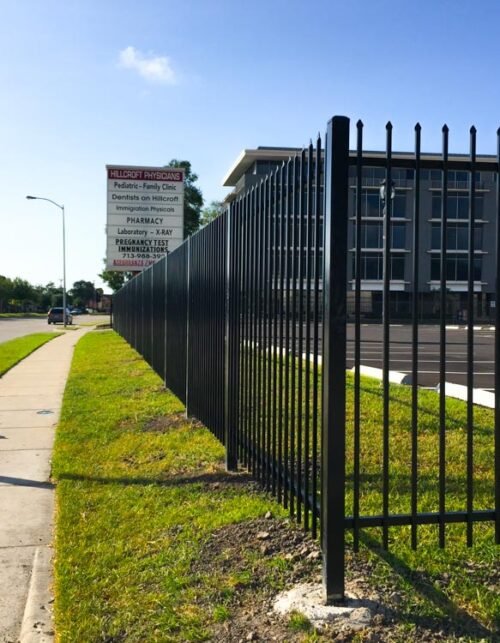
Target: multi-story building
252	165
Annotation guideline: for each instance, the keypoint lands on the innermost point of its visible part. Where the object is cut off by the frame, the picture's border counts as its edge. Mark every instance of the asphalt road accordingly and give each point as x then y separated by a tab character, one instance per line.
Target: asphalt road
429	352
13	327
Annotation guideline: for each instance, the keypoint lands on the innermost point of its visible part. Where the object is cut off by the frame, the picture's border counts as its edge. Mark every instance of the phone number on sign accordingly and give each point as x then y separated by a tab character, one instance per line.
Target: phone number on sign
143	255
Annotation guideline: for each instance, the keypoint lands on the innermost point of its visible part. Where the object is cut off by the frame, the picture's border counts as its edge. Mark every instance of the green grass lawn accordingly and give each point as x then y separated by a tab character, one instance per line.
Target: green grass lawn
133	506
457	583
134	511
14	350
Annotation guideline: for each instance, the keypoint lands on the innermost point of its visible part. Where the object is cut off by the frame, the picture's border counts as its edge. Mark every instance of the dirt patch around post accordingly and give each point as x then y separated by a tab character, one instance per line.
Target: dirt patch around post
252	562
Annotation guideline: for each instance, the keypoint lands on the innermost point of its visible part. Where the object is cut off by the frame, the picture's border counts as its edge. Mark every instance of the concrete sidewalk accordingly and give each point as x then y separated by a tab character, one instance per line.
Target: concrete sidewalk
30	402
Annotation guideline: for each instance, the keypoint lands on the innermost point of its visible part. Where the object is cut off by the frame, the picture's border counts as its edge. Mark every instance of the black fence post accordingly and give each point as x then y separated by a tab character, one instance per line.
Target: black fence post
497	354
334	357
231	356
188	320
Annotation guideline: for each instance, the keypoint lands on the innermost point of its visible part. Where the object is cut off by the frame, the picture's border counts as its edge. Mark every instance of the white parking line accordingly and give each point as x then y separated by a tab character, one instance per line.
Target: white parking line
447	373
427	361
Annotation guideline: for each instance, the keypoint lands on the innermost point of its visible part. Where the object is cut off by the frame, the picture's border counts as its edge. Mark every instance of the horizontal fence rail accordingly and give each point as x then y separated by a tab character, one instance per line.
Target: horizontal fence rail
253	321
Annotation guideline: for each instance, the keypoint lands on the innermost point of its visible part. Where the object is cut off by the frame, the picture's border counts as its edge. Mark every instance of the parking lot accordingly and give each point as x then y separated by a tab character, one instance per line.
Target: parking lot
429	352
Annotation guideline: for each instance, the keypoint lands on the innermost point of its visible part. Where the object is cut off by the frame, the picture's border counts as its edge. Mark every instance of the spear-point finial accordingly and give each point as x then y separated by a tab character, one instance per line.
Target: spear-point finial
473	130
445	129
359	124
389	125
418	127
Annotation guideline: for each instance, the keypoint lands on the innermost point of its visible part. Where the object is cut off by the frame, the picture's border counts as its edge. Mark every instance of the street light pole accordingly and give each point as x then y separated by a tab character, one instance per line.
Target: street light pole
387	194
61	207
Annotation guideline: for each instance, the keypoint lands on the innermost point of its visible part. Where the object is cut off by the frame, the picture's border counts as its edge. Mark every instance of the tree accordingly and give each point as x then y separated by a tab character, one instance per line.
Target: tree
114	278
5	292
82	293
49	295
22	294
193	198
211	212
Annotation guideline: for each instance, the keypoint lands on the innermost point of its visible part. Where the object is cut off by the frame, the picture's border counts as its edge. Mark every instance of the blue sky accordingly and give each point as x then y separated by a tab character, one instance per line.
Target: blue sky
86	83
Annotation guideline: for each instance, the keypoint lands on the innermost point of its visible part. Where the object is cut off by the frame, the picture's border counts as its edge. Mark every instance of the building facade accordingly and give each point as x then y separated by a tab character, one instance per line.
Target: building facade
253	165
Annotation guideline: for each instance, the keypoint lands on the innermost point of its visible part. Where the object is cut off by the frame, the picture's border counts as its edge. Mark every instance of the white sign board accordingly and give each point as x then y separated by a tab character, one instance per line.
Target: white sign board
145	215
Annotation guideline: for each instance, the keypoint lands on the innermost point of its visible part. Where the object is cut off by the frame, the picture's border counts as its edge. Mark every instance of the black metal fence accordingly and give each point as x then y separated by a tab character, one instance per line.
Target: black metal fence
247	323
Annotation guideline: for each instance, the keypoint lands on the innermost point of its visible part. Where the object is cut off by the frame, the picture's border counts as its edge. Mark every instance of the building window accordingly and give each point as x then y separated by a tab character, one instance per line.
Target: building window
402	175
457	236
456	268
399	206
372	236
372	266
398	236
397	267
458	206
372	206
459	178
373	174
430	175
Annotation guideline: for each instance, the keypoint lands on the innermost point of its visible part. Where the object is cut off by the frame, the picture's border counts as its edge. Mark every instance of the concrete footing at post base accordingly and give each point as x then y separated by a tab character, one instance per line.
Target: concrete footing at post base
308	600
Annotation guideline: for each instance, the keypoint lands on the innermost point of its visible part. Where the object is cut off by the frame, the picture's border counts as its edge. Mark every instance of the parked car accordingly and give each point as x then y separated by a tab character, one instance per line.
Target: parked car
55	316
77	311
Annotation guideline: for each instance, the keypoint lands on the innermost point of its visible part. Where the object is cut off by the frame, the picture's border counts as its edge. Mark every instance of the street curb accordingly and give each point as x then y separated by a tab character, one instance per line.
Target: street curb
395	377
38	624
459	391
480	397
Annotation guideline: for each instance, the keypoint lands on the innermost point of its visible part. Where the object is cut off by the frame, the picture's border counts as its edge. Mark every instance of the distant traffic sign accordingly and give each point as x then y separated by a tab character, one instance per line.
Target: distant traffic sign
145	215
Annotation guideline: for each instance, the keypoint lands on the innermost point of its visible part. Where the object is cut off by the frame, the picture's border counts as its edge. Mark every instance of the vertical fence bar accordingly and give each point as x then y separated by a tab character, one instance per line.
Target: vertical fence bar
253	312
260	243
470	338
414	316
293	347
188	321
231	366
288	260
300	347
357	335
246	327
135	331
385	330
318	244
149	322
265	357
497	353
334	357
222	253
165	327
248	323
281	341
275	339
270	463
442	343
307	304
250	219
